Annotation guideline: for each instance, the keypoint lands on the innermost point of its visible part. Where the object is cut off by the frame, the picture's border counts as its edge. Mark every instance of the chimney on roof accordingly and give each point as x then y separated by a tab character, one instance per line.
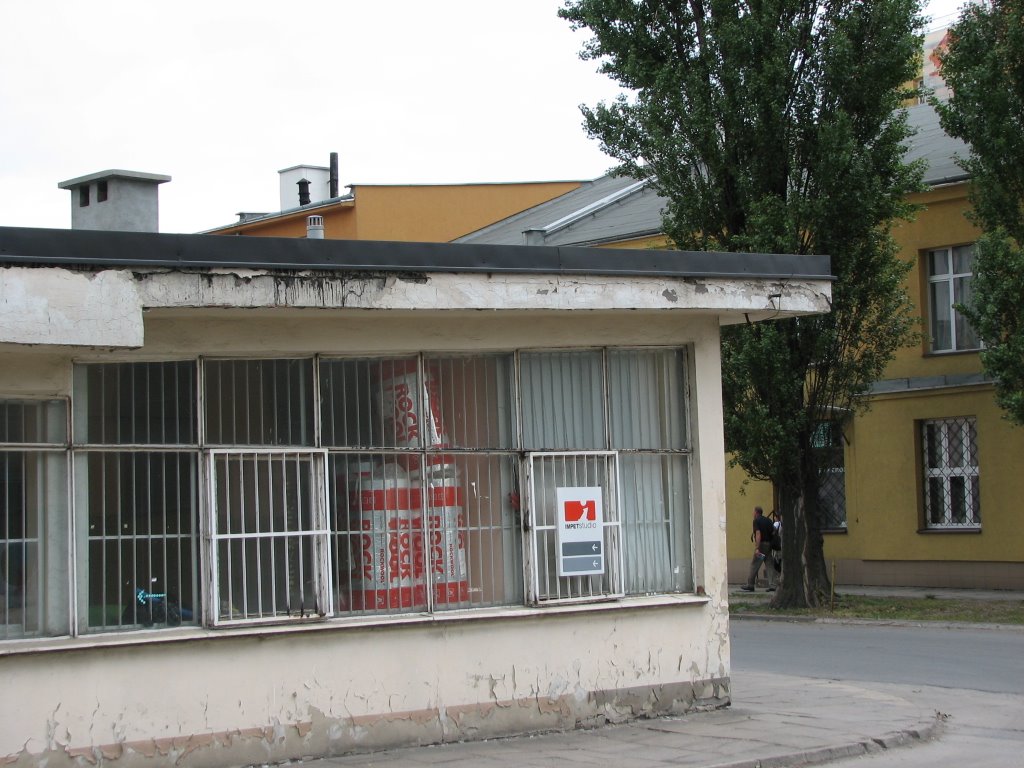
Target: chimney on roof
303	191
333	180
315	228
116	200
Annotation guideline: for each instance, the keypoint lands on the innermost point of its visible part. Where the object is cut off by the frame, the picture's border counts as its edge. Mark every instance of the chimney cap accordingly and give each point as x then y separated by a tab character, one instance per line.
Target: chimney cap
113	173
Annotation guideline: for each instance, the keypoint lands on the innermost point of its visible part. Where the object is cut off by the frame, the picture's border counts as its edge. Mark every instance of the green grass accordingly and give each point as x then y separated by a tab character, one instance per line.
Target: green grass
928	608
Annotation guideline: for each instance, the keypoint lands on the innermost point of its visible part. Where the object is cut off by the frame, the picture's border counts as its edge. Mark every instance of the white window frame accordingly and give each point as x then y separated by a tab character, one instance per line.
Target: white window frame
946	471
318	531
949	312
578	589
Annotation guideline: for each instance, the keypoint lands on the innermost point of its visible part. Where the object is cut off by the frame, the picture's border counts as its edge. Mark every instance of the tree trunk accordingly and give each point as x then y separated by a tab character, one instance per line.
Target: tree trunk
804	581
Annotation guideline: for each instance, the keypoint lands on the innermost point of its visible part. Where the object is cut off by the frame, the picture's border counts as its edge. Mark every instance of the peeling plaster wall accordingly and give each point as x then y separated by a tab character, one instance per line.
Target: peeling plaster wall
59	306
241	288
236	699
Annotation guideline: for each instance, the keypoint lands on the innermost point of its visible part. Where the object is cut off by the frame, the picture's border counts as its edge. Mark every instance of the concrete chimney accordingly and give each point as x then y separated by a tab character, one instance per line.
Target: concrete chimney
117	200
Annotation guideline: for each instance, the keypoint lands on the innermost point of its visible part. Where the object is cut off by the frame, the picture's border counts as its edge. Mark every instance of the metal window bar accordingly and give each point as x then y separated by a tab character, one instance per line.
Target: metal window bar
270	539
140	547
952	482
549	472
259	402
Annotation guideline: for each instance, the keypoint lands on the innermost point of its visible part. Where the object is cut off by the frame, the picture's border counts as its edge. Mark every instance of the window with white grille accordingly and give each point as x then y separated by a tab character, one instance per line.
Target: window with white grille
33	515
228	491
269	553
949	283
952	482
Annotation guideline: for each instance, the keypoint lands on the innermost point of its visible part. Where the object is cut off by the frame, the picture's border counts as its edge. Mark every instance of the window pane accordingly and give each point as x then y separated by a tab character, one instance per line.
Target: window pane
656	523
938	262
562	400
135	403
258	402
963	259
33	544
33	421
942	332
966	338
379	403
140	511
646	393
472	396
459	523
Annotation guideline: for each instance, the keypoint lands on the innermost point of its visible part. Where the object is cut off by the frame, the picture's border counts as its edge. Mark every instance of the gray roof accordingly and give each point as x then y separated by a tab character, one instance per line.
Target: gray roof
935	146
618	208
96	248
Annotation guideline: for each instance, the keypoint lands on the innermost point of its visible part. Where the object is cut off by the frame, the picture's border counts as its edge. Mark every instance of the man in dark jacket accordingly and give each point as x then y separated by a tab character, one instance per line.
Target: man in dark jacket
762	536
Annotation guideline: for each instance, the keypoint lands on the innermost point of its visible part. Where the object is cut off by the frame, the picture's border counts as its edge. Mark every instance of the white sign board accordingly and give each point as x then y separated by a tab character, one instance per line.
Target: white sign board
580	531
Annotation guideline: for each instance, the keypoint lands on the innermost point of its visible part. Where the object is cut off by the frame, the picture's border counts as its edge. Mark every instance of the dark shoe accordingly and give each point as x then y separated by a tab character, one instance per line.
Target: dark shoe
745	588
770	589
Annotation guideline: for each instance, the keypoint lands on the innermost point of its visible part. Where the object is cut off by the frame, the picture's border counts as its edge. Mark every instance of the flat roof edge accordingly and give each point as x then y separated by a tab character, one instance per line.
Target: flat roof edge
142	249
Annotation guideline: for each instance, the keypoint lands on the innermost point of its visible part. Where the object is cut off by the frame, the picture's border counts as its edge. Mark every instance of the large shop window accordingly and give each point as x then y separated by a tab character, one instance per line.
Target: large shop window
952	481
949	283
225	492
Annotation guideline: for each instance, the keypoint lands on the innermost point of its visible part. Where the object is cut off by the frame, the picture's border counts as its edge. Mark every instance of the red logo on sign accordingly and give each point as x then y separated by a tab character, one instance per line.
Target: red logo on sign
574	510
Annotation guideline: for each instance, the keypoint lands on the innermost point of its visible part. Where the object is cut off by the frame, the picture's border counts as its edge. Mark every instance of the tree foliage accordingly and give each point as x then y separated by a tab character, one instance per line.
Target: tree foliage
774	126
984	67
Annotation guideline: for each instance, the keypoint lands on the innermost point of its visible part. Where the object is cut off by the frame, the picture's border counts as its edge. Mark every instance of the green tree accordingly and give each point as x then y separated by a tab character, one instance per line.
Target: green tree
774	126
984	67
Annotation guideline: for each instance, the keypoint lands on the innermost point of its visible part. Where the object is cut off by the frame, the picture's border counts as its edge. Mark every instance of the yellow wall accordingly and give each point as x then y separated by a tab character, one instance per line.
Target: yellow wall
883	506
437	213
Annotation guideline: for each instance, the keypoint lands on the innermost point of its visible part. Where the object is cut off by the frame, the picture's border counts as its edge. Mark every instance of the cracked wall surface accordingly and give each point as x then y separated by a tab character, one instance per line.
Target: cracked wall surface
236	700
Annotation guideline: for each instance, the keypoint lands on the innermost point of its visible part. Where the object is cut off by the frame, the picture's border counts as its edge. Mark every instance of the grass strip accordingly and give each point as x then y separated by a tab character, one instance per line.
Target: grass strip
927	608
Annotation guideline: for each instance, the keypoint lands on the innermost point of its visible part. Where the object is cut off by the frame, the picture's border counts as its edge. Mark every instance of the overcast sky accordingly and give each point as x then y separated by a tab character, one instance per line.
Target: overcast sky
221	94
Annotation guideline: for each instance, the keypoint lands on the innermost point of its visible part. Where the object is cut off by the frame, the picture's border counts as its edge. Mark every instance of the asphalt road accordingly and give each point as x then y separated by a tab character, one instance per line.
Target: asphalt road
985	660
973	677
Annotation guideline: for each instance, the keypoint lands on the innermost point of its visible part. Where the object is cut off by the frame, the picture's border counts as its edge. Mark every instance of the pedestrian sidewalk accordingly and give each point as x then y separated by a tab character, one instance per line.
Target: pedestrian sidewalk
774	720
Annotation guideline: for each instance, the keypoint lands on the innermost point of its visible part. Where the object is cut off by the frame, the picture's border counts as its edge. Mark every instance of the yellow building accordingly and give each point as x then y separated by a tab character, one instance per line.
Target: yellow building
391	212
925	487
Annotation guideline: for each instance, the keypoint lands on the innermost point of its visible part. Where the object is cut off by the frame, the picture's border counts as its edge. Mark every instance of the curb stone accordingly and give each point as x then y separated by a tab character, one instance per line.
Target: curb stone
926	731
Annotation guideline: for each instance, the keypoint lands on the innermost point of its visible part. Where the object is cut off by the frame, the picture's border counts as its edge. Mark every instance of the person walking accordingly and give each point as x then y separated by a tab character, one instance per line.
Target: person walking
762	537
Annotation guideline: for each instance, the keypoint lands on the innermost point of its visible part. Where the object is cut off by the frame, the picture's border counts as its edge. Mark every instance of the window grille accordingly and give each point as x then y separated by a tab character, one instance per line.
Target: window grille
258	402
949	284
952	482
136	494
831	459
553	559
33	509
225	491
406	541
269	534
140	511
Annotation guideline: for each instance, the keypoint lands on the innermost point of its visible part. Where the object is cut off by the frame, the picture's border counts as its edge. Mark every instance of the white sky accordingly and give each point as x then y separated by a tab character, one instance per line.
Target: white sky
222	94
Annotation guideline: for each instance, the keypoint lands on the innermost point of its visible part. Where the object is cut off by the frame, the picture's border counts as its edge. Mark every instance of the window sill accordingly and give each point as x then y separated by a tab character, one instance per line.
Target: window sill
192	634
961	529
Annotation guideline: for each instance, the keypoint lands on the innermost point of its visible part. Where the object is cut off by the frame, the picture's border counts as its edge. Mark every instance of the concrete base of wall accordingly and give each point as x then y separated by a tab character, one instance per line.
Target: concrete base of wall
907	573
324	737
